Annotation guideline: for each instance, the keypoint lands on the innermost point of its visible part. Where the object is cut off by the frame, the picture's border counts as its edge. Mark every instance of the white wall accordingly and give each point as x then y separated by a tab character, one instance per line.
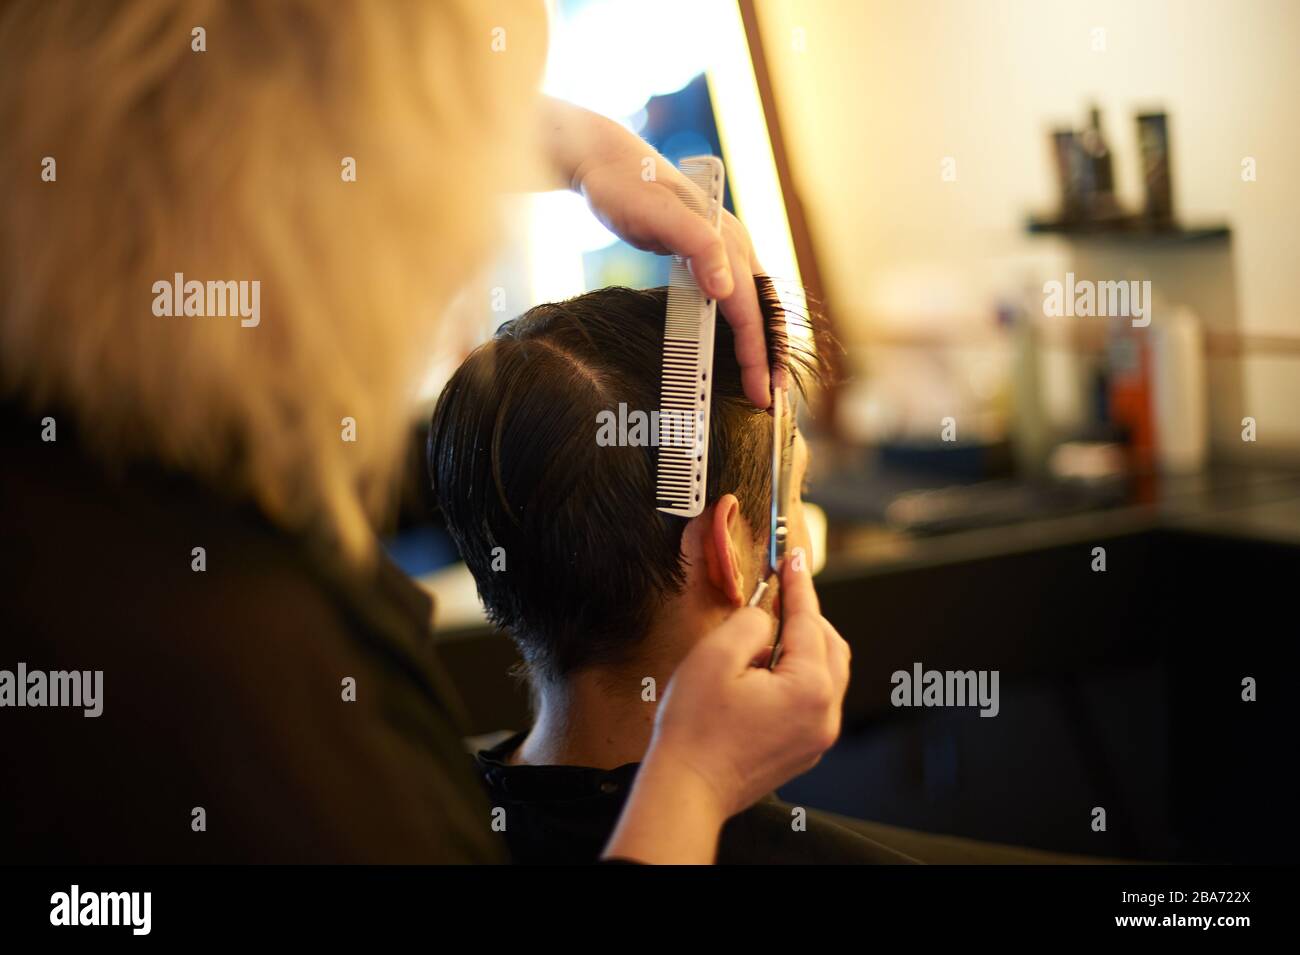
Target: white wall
874	93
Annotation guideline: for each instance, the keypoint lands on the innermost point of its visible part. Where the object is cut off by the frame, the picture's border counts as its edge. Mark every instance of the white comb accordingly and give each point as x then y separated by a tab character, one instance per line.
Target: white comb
687	365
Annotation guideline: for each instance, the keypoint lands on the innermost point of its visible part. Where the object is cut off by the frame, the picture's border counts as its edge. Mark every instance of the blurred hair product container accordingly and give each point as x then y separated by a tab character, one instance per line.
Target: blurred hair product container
1179	392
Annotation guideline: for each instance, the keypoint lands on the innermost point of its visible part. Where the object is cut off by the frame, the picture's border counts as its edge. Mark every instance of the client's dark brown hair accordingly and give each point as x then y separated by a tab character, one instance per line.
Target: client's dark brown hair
586	559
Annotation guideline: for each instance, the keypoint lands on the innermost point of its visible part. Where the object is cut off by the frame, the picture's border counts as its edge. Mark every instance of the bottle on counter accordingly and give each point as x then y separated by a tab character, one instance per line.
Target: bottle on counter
1179	392
1129	400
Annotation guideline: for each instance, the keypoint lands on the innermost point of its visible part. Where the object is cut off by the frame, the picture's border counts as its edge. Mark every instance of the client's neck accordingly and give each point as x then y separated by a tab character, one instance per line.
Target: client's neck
593	718
604	716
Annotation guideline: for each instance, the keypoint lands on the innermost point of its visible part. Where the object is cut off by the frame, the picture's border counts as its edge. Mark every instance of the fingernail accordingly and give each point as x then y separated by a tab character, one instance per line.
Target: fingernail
720	281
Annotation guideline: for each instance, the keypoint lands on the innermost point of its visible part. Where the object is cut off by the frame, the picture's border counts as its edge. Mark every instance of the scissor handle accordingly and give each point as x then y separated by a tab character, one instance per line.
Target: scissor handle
759	591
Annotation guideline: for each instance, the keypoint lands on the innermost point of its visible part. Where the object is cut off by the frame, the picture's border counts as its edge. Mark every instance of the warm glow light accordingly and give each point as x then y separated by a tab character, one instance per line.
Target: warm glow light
560	229
611	57
747	151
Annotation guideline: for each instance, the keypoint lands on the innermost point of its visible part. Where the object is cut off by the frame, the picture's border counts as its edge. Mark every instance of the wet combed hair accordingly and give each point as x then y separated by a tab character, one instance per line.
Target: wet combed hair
515	464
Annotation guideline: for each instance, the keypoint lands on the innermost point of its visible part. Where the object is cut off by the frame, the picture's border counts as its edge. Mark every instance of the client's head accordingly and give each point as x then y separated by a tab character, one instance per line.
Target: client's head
560	529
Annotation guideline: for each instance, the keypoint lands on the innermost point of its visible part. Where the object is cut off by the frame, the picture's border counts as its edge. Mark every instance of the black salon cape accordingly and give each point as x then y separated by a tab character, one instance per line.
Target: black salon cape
564	815
223	689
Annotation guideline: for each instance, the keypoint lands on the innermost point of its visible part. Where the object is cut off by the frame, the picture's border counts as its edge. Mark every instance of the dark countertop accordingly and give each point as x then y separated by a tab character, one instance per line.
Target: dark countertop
1255	504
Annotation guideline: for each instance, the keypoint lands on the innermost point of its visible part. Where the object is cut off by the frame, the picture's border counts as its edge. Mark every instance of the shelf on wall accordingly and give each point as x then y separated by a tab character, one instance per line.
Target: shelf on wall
1129	230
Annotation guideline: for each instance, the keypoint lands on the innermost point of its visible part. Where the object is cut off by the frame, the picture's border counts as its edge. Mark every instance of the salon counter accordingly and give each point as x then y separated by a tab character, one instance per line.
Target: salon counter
1250	504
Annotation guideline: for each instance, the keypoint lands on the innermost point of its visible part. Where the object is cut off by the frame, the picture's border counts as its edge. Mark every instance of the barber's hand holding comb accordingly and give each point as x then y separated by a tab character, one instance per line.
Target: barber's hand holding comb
638	195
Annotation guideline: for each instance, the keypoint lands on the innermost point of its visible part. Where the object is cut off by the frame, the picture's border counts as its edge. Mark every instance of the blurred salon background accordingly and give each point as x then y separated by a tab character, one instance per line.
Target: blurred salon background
1104	508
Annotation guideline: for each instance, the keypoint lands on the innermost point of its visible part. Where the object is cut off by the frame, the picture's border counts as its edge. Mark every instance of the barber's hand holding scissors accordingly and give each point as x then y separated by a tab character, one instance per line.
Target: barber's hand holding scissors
728	732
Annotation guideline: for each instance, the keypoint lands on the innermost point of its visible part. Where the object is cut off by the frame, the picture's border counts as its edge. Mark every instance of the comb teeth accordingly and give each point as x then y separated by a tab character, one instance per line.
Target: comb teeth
685	386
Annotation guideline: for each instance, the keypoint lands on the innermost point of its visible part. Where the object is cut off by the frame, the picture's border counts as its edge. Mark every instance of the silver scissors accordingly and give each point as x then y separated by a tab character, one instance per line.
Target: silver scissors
783	435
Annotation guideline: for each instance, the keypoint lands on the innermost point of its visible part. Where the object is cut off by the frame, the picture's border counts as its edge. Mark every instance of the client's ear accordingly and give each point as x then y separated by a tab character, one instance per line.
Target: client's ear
722	551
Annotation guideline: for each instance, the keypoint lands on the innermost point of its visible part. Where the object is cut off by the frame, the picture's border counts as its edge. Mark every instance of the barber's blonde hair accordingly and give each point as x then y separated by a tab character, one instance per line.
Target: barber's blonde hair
225	165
